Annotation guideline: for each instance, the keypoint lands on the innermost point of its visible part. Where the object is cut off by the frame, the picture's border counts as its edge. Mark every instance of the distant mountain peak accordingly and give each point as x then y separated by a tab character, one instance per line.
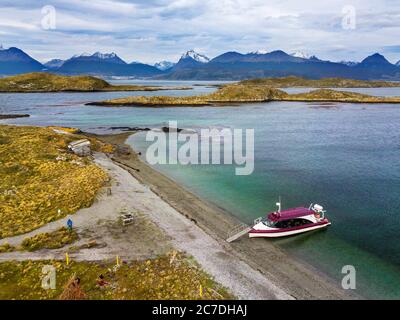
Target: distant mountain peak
108	57
195	56
15	54
54	63
301	54
15	61
164	65
376	59
261	51
105	55
348	63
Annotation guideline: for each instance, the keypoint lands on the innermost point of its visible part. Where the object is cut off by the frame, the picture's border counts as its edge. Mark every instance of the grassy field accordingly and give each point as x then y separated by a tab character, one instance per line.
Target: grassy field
39	181
171	276
48	82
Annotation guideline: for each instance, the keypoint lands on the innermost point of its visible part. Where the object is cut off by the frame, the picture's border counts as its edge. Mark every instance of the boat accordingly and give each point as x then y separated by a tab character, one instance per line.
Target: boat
283	223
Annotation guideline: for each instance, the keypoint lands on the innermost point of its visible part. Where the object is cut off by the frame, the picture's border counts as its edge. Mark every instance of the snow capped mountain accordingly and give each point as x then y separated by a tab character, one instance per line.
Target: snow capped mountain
164	65
259	52
300	54
106	57
349	63
195	56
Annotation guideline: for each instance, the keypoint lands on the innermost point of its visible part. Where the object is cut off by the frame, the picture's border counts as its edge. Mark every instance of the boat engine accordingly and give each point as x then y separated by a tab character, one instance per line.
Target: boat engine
318	208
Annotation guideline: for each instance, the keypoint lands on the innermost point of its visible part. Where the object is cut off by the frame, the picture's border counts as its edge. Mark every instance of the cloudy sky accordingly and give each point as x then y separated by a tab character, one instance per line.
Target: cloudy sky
153	30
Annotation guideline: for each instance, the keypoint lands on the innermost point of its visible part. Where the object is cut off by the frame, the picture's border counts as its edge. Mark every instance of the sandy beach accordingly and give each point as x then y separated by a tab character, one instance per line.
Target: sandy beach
295	278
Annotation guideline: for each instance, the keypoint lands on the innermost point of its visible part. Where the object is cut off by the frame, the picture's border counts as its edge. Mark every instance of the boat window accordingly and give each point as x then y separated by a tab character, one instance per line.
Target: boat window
268	223
292	223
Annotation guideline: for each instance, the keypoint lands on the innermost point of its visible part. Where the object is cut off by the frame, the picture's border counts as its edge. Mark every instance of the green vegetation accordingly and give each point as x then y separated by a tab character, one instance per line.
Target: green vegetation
293	82
49	240
47	82
168	277
40	181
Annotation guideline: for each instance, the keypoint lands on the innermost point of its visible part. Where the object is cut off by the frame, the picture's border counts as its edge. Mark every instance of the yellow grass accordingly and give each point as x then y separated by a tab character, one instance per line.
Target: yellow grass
148	280
39	181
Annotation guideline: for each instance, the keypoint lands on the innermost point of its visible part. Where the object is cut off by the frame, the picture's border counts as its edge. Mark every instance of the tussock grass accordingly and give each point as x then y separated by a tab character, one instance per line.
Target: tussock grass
147	280
49	240
38	178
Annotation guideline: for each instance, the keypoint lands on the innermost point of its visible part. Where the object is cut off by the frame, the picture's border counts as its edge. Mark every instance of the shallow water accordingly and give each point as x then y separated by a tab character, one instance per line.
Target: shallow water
343	156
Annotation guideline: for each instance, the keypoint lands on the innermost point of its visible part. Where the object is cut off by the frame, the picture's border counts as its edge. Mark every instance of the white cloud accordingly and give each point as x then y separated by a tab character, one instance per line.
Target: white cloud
160	29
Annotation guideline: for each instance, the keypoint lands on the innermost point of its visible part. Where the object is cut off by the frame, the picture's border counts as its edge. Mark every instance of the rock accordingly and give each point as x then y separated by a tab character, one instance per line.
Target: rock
168	129
130	128
123	150
13	116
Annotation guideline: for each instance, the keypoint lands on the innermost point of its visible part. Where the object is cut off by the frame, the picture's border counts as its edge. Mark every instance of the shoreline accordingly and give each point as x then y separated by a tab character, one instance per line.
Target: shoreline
110	89
297	278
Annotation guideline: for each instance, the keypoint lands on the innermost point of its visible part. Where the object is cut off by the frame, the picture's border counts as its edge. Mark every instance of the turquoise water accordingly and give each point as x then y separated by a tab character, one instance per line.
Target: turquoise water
345	157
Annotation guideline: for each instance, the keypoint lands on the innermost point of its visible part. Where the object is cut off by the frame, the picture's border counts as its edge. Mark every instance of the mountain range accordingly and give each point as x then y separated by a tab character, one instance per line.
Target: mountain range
192	65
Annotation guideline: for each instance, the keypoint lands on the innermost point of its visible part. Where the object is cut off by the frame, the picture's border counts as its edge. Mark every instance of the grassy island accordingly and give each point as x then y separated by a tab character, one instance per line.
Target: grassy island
235	93
47	82
298	82
246	92
328	95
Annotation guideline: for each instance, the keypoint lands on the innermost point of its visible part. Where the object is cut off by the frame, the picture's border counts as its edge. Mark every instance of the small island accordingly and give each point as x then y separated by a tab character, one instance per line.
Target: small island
250	92
48	82
299	82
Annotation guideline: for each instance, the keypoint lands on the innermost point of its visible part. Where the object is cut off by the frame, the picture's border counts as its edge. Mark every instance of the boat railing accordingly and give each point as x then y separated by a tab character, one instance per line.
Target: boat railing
258	220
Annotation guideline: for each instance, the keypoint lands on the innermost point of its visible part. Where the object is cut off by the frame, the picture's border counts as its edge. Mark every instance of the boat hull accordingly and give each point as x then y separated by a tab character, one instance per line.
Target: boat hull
277	233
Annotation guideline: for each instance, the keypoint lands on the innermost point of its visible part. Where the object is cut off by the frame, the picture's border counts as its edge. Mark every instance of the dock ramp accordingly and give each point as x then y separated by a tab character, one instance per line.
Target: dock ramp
237	232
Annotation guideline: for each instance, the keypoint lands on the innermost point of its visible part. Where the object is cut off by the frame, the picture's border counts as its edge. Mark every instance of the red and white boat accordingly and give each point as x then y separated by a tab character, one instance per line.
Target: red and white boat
289	222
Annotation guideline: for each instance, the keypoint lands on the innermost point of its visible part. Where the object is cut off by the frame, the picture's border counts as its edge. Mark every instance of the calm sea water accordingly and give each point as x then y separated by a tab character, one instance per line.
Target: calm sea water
345	157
